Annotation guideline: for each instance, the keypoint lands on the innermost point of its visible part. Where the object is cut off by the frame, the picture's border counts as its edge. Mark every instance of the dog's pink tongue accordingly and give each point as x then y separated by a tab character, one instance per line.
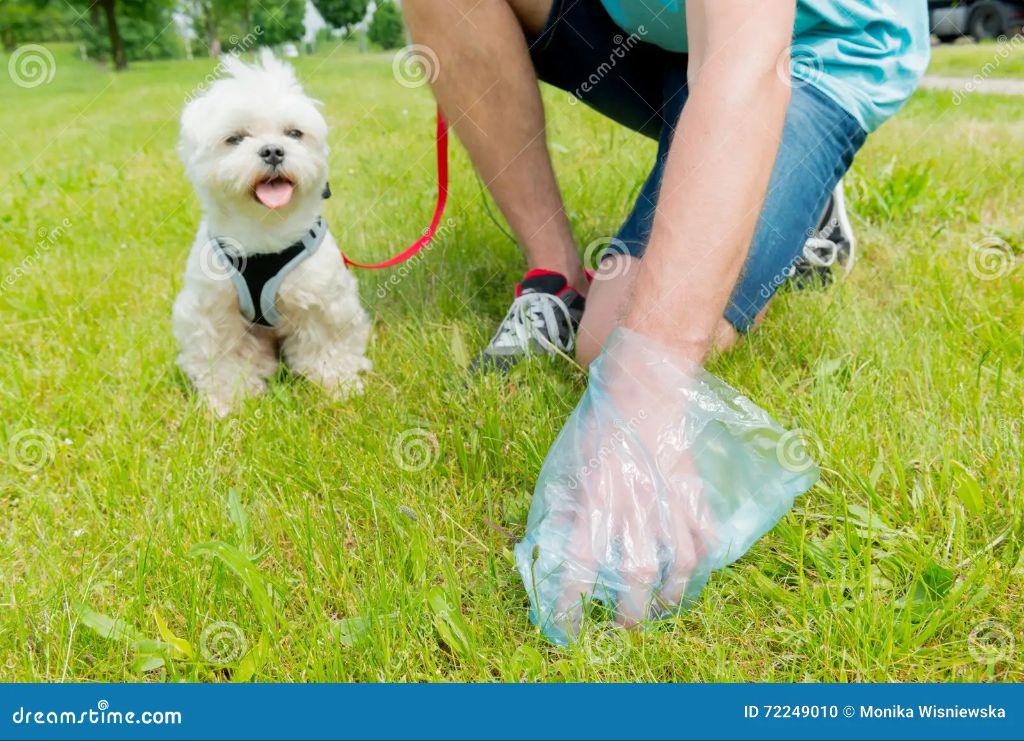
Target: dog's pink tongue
274	193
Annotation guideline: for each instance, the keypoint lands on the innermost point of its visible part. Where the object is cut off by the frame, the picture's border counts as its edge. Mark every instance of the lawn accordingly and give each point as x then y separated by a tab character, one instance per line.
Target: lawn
988	59
307	539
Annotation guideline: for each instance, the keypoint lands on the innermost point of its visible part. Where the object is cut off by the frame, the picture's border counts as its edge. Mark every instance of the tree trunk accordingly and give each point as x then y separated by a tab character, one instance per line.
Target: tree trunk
213	41
9	42
116	44
212	36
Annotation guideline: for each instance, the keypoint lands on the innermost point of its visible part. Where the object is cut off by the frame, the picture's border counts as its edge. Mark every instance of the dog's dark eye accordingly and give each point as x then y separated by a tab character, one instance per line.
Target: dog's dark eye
293	133
234	139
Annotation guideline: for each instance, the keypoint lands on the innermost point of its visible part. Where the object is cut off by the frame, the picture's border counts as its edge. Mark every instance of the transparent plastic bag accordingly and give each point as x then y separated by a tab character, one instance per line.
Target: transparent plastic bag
662	474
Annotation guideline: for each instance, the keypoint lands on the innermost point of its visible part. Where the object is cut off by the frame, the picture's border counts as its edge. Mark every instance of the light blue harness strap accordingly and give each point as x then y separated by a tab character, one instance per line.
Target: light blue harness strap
310	244
257	278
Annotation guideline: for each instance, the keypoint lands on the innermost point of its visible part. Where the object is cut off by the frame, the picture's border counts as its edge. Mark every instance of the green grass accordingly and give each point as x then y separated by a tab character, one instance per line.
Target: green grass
988	59
327	561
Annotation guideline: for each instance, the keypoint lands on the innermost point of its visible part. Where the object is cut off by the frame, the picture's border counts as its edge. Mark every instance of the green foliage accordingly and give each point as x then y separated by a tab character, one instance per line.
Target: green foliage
144	32
386	29
32	20
222	25
280	20
342	13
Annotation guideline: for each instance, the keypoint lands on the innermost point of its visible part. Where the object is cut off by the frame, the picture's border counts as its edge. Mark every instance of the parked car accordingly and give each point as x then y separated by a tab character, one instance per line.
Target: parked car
980	19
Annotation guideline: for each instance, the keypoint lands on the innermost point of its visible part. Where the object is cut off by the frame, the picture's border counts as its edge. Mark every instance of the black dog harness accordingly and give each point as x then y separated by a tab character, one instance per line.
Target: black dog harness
257	278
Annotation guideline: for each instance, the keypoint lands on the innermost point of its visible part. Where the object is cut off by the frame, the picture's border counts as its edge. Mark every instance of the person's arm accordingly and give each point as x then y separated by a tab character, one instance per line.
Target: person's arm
717	172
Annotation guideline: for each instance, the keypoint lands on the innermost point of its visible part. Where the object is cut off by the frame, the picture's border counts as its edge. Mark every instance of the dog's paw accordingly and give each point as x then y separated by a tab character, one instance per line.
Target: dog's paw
220	406
226	400
340	386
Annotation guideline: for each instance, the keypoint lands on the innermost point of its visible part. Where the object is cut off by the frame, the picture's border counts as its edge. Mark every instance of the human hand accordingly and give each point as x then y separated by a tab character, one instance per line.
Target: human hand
662	474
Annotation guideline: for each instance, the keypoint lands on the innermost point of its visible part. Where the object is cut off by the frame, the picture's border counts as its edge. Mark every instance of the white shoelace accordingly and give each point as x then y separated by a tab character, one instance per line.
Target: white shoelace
820	252
528	314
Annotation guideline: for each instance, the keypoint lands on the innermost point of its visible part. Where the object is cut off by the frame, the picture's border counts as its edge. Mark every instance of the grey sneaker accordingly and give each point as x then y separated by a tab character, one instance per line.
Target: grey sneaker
832	249
543	319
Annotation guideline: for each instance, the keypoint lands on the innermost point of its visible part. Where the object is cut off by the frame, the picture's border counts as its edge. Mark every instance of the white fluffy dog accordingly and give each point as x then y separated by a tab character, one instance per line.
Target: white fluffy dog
265	279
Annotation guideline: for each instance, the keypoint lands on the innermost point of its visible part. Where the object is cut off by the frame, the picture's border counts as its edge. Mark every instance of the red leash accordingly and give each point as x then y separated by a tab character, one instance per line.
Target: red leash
442	199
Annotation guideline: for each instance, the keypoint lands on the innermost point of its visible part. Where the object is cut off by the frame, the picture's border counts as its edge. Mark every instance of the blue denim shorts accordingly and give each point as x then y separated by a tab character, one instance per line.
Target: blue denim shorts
584	52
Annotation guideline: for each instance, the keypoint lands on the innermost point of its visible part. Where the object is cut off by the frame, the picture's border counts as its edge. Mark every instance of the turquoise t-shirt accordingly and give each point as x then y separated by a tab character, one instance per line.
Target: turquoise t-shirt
867	55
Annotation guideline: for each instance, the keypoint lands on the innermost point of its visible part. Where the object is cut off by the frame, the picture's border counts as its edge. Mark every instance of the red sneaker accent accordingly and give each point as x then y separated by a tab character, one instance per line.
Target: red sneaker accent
539	272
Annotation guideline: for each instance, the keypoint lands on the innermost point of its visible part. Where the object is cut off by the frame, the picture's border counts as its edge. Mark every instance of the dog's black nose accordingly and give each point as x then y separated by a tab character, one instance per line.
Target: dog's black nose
272	154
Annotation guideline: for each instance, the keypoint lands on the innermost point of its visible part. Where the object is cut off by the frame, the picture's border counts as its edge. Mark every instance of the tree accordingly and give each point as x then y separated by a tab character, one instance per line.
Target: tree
114	33
280	21
129	29
29	20
386	30
213	20
342	13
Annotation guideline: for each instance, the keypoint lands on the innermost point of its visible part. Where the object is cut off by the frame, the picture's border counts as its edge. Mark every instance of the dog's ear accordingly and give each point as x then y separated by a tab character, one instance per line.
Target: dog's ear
327	190
192	118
